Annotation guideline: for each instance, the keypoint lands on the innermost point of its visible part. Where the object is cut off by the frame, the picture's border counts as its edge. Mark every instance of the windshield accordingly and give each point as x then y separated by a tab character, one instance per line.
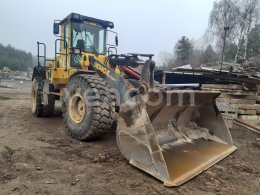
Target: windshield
89	37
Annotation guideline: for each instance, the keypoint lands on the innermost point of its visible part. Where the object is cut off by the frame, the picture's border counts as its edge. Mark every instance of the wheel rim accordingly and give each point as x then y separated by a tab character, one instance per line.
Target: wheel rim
77	108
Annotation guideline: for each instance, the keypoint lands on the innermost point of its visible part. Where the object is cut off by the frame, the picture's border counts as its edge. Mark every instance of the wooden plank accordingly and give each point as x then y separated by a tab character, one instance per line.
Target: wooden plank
222	86
237	101
247	112
248	125
248	97
242	93
249	106
224	90
249	117
242	101
221	99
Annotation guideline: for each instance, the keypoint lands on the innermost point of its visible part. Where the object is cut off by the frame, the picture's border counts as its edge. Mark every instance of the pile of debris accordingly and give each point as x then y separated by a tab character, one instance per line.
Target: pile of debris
236	102
252	66
223	66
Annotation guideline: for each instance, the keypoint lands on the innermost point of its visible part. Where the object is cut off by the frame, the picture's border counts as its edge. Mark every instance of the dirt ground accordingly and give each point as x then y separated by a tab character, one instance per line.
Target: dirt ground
37	156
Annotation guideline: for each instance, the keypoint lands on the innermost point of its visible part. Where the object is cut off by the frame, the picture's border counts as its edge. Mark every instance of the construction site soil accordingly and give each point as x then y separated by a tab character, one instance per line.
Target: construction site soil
37	156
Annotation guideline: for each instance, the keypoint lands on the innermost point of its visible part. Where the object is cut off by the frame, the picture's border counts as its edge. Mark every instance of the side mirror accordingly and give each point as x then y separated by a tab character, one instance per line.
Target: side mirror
56	28
116	40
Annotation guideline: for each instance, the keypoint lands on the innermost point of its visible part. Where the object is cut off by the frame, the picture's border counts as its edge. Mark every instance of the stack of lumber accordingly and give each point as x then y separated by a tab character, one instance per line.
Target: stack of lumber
236	103
246	105
252	68
235	89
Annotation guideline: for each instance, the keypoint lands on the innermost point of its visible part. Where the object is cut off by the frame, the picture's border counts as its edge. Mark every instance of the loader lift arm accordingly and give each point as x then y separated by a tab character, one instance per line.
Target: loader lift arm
118	82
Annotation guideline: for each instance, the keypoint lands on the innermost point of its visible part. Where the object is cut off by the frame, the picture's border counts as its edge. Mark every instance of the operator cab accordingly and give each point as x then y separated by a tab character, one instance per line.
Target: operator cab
82	34
87	34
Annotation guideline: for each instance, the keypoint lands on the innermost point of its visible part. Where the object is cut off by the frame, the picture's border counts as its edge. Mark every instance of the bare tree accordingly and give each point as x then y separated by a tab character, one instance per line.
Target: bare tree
240	16
167	60
225	13
249	17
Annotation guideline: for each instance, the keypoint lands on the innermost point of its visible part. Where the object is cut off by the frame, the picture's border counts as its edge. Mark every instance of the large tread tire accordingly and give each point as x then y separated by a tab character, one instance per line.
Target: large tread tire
36	99
48	109
99	100
38	109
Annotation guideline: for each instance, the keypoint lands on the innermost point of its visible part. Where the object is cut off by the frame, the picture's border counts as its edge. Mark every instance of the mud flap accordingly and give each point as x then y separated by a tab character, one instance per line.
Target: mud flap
173	135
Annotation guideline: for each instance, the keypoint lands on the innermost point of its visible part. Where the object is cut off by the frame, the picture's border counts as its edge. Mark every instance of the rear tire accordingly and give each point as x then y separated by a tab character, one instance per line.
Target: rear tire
38	109
88	107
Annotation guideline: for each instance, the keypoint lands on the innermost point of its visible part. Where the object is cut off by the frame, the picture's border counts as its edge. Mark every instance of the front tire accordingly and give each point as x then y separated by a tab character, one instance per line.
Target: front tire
88	107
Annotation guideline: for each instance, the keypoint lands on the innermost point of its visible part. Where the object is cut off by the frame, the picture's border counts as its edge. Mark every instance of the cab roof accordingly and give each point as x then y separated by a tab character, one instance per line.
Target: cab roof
80	18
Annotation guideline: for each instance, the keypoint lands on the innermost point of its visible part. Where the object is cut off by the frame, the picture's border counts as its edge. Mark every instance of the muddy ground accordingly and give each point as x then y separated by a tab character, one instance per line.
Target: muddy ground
37	156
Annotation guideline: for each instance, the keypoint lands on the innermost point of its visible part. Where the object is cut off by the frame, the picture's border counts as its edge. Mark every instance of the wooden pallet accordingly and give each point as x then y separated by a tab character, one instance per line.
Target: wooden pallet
227	109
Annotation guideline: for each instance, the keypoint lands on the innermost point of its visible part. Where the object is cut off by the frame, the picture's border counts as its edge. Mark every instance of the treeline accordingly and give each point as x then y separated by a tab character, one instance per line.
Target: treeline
15	59
241	18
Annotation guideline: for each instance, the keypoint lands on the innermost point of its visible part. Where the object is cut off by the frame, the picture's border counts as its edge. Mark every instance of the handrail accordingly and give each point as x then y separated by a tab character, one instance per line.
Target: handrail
66	54
38	54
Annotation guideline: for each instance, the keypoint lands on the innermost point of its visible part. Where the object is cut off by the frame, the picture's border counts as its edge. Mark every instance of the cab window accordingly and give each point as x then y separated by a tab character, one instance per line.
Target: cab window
89	38
66	36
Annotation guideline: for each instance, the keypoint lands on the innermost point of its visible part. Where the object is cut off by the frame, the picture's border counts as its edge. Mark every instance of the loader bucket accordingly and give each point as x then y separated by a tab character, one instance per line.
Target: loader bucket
173	135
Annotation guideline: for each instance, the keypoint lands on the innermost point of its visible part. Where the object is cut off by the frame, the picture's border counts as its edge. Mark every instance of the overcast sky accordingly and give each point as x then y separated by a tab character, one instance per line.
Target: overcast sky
144	26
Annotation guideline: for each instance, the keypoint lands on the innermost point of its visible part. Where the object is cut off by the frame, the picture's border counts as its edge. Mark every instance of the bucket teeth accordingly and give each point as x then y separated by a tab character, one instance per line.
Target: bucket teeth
171	141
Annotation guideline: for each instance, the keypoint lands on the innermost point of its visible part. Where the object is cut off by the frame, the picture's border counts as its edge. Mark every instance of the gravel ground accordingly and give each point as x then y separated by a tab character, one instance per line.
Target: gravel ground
37	156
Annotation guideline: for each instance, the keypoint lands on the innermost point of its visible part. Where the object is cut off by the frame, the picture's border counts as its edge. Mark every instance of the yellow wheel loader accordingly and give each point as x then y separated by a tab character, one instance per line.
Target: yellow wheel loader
171	134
